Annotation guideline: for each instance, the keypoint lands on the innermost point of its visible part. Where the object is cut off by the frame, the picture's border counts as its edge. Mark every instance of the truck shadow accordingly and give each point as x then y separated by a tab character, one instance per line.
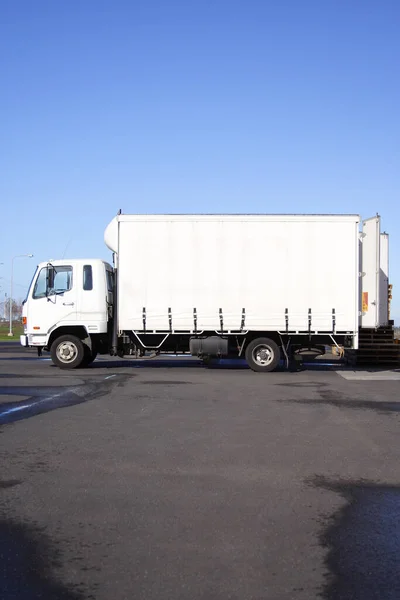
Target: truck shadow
15	348
223	363
166	363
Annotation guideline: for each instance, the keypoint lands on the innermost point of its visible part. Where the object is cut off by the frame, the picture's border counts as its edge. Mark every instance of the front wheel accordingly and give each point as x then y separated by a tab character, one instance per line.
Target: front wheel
263	355
67	352
90	356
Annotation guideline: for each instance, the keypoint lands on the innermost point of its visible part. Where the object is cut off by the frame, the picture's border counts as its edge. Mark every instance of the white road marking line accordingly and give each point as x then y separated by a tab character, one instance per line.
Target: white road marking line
370	376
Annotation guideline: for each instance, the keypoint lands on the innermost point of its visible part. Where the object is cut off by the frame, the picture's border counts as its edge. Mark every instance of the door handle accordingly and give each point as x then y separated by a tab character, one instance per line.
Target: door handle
68	303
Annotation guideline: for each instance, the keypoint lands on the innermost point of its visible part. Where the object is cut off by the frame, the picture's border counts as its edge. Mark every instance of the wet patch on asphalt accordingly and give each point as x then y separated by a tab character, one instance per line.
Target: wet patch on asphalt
303	384
166	382
378	406
362	541
31	391
13	375
9	483
44	399
340	400
28	559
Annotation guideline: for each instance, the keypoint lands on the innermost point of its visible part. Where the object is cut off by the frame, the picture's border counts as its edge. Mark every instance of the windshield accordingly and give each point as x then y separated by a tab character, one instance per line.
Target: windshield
30	285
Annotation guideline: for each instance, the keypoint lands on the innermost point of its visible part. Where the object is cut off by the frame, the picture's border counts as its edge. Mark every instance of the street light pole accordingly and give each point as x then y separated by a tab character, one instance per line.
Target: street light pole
4	305
10	334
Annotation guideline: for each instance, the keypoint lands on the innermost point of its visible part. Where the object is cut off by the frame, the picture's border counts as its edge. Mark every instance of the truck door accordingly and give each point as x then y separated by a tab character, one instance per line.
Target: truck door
384	280
53	301
370	272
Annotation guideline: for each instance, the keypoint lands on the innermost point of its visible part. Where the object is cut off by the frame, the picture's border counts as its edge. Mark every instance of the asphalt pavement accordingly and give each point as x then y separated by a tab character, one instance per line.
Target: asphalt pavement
165	480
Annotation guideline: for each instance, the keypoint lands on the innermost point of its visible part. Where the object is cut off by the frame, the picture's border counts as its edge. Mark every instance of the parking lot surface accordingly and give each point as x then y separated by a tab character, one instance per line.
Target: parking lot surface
162	479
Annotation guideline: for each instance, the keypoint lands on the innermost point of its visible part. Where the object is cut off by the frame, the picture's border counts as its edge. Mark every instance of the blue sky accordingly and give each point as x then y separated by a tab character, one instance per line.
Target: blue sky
179	106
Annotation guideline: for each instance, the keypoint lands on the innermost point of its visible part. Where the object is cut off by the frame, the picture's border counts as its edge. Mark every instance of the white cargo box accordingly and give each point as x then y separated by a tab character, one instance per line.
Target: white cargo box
237	272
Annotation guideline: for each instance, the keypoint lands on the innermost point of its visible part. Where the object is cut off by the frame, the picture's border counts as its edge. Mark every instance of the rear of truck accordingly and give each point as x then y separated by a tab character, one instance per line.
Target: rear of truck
376	345
374	274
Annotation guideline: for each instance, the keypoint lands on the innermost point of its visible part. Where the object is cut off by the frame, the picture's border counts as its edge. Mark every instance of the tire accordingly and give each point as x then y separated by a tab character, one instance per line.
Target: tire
89	357
263	355
67	352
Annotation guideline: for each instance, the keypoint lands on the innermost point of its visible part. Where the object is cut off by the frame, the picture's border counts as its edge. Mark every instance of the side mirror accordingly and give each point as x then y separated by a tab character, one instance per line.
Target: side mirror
50	276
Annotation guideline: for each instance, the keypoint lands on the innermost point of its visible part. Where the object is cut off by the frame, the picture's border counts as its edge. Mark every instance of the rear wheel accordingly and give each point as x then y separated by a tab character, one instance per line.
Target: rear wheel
263	355
67	352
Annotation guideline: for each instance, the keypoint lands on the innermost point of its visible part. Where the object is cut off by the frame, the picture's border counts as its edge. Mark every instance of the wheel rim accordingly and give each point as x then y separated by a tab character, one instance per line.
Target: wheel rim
67	352
263	355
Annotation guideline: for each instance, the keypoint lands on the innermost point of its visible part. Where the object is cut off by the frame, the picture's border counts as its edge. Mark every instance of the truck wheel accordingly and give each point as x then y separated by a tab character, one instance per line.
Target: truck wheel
67	352
89	357
262	355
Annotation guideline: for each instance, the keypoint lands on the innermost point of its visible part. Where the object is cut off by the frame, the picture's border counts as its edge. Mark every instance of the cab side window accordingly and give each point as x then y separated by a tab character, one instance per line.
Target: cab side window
62	281
110	280
87	277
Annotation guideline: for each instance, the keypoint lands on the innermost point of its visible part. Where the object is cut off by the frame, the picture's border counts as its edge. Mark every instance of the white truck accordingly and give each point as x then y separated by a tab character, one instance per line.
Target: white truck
253	286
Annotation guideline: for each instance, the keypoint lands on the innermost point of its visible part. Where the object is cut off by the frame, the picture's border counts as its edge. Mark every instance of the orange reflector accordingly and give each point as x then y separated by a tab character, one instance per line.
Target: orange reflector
365	301
36	328
24	320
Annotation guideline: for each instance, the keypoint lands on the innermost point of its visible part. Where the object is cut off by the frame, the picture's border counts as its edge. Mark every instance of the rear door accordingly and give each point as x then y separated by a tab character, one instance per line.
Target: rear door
370	266
384	280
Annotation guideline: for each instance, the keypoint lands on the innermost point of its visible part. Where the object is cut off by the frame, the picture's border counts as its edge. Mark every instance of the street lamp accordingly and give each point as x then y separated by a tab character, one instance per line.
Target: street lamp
10	334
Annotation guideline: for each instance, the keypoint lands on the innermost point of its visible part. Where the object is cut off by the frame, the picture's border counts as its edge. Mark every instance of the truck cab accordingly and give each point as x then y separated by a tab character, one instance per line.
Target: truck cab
68	310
